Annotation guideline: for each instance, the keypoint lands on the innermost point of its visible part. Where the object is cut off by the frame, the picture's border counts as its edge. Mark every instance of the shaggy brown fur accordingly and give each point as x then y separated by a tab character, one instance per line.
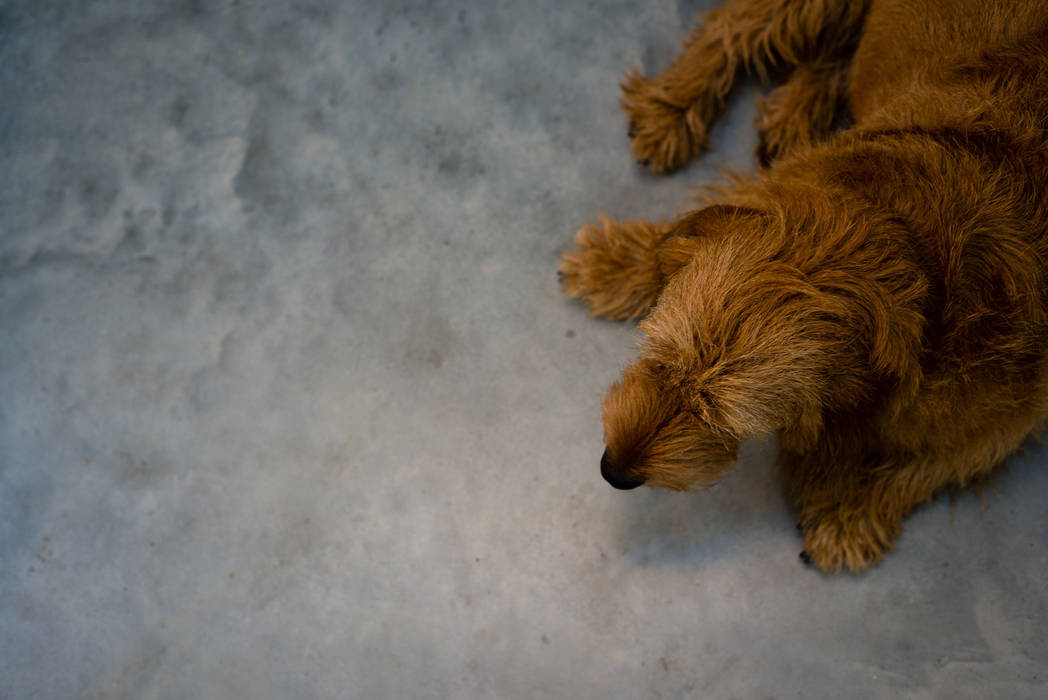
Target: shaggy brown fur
877	296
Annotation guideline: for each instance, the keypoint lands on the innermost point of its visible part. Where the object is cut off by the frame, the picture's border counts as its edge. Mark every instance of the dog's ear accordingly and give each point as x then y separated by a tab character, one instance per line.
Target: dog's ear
753	401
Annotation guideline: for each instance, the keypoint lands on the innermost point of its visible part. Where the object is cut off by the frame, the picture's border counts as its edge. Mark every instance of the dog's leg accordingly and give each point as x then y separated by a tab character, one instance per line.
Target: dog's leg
853	533
619	268
849	517
671	114
802	111
615	269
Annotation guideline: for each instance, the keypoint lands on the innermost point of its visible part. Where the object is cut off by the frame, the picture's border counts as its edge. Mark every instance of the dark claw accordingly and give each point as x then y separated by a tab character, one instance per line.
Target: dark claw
645	162
800	528
632	130
804	557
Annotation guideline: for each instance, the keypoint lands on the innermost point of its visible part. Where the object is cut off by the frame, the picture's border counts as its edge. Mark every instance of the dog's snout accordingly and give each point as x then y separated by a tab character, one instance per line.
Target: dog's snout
616	476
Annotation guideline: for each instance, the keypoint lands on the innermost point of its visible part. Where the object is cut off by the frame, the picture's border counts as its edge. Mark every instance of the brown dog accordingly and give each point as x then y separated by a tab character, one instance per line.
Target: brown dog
878	296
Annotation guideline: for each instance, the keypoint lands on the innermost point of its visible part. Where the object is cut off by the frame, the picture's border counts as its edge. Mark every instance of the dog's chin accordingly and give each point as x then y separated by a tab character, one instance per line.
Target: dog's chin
683	486
686	479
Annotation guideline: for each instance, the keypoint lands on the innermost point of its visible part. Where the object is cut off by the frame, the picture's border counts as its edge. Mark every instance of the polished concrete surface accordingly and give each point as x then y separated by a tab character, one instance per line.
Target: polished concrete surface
291	405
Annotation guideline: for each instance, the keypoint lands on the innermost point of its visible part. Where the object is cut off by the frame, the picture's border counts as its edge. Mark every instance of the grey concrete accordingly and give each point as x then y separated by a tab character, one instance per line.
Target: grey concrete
291	405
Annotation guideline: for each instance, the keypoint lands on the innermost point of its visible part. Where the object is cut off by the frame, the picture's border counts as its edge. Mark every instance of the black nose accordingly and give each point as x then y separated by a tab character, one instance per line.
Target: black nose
616	476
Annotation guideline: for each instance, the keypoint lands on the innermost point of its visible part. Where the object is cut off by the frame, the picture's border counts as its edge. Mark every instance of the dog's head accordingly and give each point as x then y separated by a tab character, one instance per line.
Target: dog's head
729	354
655	435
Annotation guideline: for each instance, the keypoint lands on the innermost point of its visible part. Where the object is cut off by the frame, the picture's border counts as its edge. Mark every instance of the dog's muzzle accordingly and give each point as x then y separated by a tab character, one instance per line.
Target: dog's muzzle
617	477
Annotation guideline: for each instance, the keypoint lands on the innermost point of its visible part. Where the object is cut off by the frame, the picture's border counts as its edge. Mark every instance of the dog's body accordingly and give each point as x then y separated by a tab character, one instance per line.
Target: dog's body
877	296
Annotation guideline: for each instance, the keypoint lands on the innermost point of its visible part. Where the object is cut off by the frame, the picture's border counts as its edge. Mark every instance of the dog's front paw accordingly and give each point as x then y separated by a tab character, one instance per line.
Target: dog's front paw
846	540
614	269
665	132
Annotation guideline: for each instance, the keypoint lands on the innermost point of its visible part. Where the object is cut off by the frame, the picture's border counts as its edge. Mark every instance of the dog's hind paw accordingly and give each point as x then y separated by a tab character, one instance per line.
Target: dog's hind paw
614	269
664	132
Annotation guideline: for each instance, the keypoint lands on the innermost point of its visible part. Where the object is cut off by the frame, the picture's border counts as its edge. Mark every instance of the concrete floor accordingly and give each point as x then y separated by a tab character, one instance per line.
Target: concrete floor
291	405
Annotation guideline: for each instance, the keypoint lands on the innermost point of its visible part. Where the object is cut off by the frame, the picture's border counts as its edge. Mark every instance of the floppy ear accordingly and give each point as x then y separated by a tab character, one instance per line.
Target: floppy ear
753	399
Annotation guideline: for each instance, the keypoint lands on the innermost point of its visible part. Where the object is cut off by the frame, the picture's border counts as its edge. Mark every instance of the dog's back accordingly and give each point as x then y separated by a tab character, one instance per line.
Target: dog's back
909	49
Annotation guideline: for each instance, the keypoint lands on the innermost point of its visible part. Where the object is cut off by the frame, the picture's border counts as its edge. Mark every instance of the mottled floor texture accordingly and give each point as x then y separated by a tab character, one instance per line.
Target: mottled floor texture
291	405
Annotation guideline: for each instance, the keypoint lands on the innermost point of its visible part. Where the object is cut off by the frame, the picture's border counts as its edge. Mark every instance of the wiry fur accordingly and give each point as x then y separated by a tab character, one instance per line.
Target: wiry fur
876	296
